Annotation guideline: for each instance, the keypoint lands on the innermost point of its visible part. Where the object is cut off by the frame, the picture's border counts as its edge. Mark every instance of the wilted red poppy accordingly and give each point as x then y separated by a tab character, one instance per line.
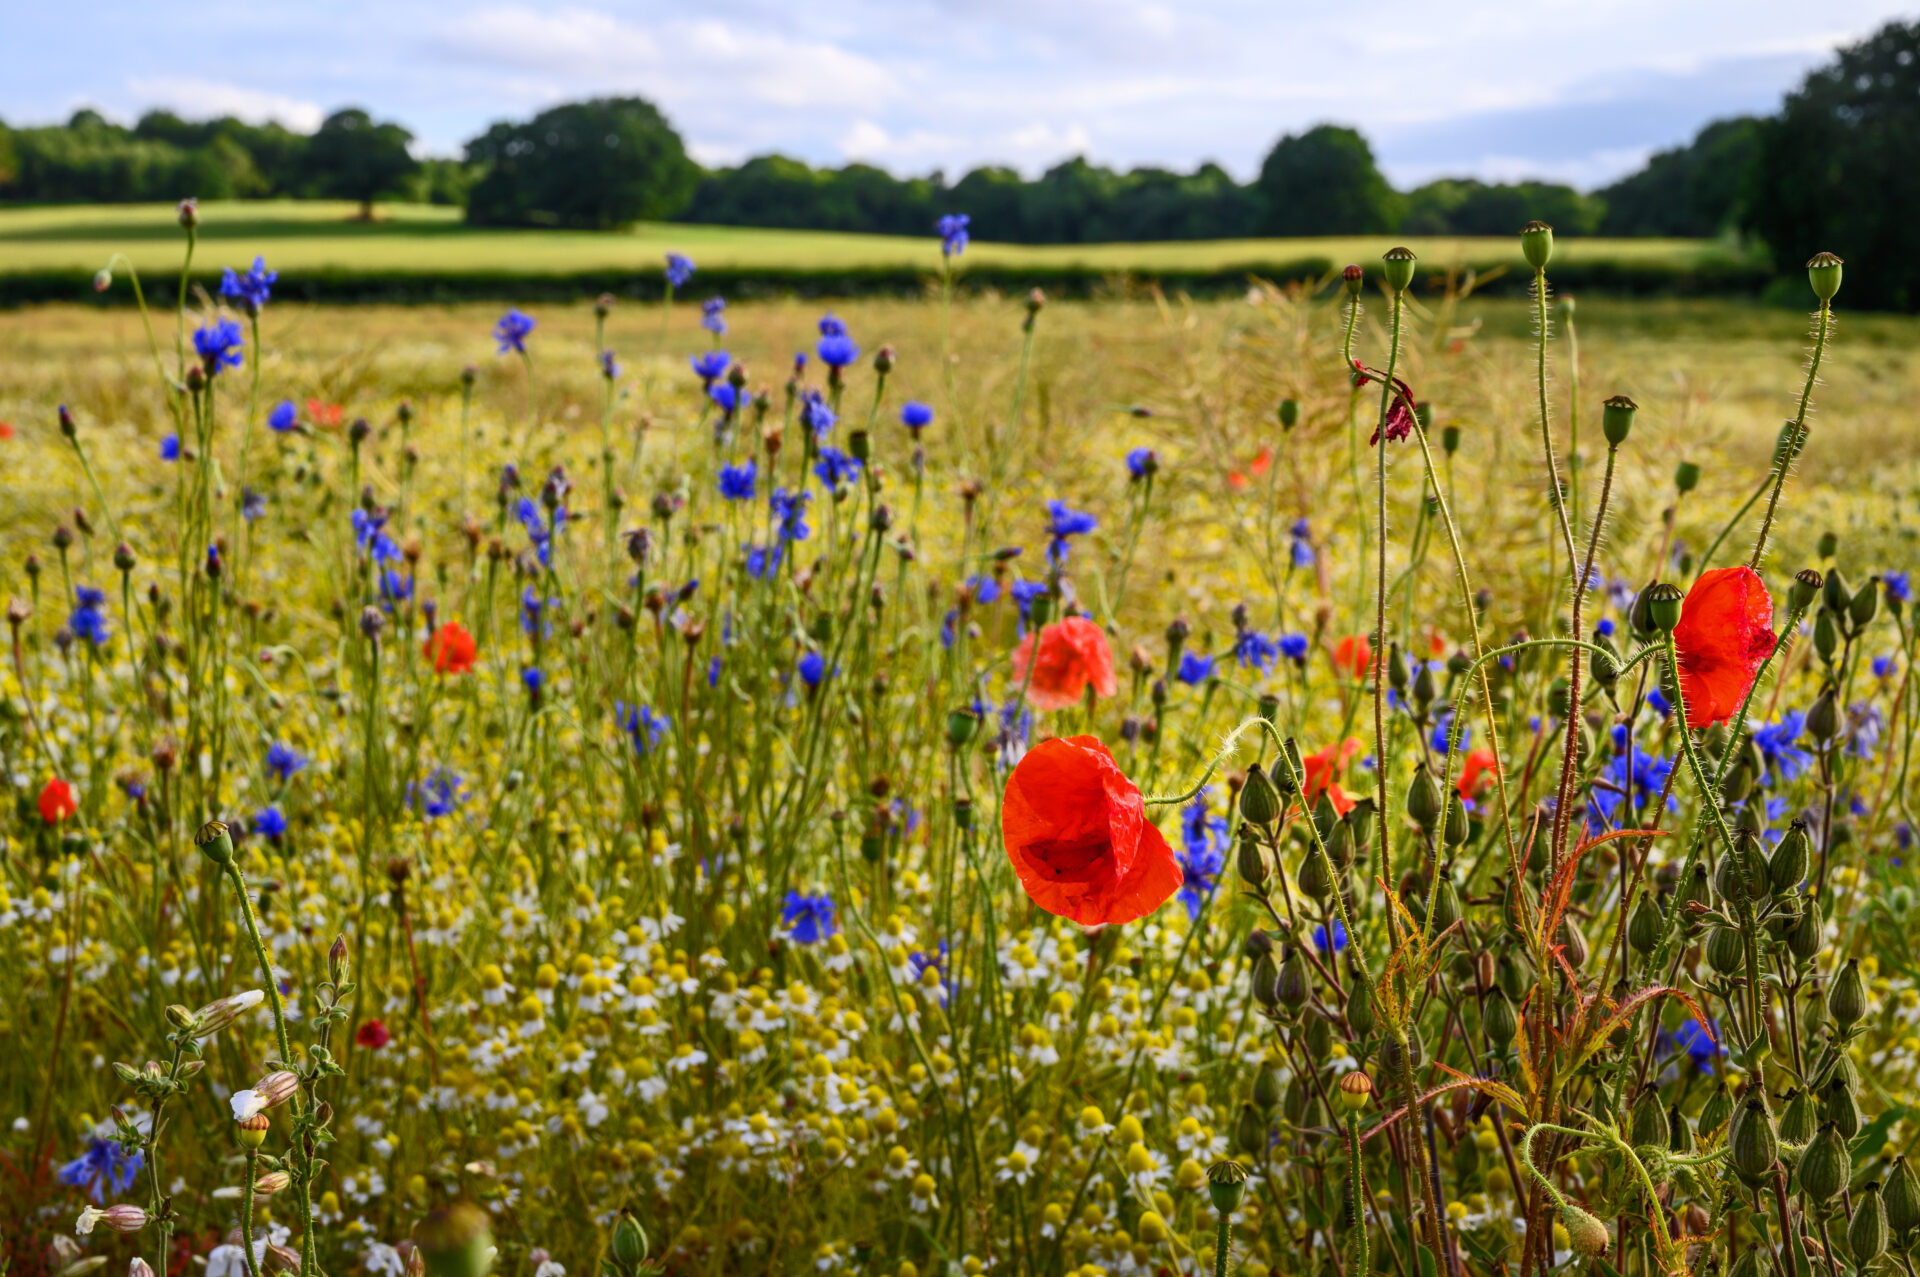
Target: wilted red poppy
56	801
1353	656
1073	654
1479	764
1323	771
1399	409
1725	631
373	1035
1078	835
451	649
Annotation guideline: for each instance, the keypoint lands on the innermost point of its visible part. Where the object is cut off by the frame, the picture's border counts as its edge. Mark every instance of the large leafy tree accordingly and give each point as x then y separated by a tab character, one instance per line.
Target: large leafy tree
593	165
352	157
1839	169
1324	182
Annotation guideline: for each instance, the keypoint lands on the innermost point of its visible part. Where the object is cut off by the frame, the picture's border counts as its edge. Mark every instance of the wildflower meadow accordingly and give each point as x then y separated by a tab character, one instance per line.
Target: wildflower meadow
1338	781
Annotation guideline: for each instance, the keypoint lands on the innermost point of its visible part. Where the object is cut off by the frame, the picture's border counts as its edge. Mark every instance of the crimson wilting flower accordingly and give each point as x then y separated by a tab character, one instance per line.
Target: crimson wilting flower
1399	411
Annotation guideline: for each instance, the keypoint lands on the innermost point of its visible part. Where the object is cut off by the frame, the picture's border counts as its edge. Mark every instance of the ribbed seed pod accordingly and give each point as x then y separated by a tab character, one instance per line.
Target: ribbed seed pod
1847	1000
1498	1019
1646	925
1446	904
1838	1105
1360	1016
1715	1112
1798	1120
1681	1138
1573	944
1754	1145
1250	1132
1266	981
1292	987
1789	863
1809	931
1512	975
1867	1233
1726	950
1825	1165
1650	1120
1266	1089
1902	1198
1312	876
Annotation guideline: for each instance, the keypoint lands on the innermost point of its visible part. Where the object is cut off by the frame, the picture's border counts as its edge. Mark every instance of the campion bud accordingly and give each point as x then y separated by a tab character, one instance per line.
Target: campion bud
1250	860
1650	1120
1291	988
1754	1145
337	960
1446	899
455	1241
1663	606
1846	1001
1798	1120
121	1219
1867	1232
1250	1131
1573	944
1616	419
1259	800
1863	607
1902	1198
1823	272
1826	1165
1399	268
1360	821
1266	981
1587	1235
629	1239
1789	862
272	1182
1498	1019
1839	1106
138	1267
285	1259
1808	936
1289	413
1423	798
1726	950
253	1130
1312	878
1353	1091
1226	1184
215	842
1646	925
1353	277
1266	1089
1686	476
1715	1112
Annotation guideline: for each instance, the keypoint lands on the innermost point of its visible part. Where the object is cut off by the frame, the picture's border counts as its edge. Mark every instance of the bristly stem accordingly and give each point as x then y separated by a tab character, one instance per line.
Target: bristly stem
1546	421
1796	437
1382	795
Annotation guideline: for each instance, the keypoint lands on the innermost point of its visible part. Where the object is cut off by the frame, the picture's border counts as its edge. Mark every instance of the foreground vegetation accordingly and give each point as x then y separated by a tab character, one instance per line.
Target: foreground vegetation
636	772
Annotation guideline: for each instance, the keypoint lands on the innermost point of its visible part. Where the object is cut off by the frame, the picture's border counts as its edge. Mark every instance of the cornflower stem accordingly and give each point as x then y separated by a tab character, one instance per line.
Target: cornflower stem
1796	437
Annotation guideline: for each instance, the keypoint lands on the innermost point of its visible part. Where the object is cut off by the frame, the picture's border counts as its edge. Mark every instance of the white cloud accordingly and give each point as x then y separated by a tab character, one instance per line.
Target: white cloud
203	99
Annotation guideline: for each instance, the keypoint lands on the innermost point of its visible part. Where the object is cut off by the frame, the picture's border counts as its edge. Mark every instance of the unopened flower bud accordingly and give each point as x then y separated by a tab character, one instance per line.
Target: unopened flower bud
1847	1000
1353	277
1259	800
1587	1235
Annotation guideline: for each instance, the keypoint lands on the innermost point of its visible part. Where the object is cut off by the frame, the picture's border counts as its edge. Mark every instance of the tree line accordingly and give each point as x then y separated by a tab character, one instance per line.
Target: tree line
1833	169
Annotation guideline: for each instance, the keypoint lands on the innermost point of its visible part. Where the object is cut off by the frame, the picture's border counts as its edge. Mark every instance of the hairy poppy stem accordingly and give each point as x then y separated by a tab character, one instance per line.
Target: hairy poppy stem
1797	437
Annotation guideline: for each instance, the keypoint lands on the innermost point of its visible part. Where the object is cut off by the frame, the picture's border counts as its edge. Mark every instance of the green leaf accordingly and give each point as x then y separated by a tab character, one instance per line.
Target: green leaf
1869	1142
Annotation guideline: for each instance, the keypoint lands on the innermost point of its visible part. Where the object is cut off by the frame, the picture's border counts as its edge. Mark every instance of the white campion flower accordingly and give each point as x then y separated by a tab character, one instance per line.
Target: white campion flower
379	1257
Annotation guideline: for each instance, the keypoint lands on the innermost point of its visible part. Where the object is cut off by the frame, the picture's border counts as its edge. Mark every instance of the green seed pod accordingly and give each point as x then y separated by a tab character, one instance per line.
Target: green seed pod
1360	1017
1847	999
1726	950
1798	1118
1664	600
1838	1106
1325	816
1536	242
1715	1112
1680	1135
1823	720
1266	981
1809	933
1266	1089
1226	1183
1784	917
1498	1019
1457	827
1250	859
1423	798
1538	846
1604	665
215	842
1686	476
1867	1232
1250	1132
1360	821
1512	975
1573	944
1823	272
1294	1105
1312	876
1616	418
1836	594
1646	925
1446	904
1289	413
1825	1166
1587	1235
1650	1120
455	1241
1789	863
1806	586
1826	637
1319	1037
1730	879
1694	890
1398	269
1259	800
1340	845
1902	1198
1396	668
1292	985
1423	686
1391	1054
1865	604
629	1239
1754	1146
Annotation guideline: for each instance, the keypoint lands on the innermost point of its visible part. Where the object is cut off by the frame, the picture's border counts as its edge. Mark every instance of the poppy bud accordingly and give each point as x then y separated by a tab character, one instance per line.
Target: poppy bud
1604	665
1902	1198
1587	1235
1289	413
1450	438
215	842
1399	268
1250	1131
1291	987
1826	636
629	1239
1663	606
1789	863
1360	1017
1353	277
1726	950
1825	1166
1423	798
1616	419
1864	605
1396	669
1823	272
1646	925
1686	476
1836	594
1266	981
455	1241
1360	822
1250	860
1536	241
962	723
1423	689
1867	1232
1650	1120
1259	800
1823	719
1754	1145
1498	1020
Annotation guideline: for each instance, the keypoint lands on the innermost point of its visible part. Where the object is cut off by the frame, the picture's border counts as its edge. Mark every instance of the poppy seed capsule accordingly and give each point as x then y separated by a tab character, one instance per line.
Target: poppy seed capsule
1847	1000
1616	419
1399	268
215	842
1663	606
1686	476
1226	1183
1536	241
1823	272
1807	583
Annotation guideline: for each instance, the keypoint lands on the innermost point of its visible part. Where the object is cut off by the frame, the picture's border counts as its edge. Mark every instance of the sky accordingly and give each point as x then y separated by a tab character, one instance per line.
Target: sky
1580	91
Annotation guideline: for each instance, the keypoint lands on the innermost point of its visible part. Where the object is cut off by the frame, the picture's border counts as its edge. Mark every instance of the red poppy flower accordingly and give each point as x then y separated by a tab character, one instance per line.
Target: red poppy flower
6	431
1323	770
324	414
373	1035
1237	480
1725	631
1353	656
451	649
56	801
1478	766
1078	835
1073	654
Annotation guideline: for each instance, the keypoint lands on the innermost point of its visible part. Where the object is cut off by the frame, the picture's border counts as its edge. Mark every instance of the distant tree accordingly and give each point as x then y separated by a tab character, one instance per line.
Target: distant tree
1697	190
9	157
595	165
354	158
1837	169
1325	182
1464	206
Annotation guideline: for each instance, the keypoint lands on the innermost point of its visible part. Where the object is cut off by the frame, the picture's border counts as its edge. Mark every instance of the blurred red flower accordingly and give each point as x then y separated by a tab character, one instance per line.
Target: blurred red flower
56	801
1073	654
324	414
1725	631
6	431
1478	765
1077	833
1353	656
451	649
373	1035
1323	771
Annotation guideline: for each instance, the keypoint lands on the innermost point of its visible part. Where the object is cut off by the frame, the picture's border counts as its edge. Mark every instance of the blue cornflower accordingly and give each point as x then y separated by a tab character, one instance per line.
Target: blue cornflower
1775	741
170	448
1064	522
1302	548
394	588
790	514
1661	705
814	413
1024	593
1898	586
983	588
1604	627
1442	725
1700	1046
283	761
713	317
89	619
915	416
836	467
1865	722
218	345
762	560
644	726
739	483
713	672
1632	769
1195	669
808	919
534	679
832	326
104	1168
1204	853
726	396
1339	937
269	823
371	536
252	289
533	614
539	532
1295	648
1884	666
283	418
947	624
609	366
679	270
440	792
253	504
709	365
813	668
952	228
512	330
1255	650
921	962
837	352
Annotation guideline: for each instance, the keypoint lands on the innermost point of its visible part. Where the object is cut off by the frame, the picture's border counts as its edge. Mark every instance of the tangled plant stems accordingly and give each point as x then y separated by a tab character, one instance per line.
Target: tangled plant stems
810	866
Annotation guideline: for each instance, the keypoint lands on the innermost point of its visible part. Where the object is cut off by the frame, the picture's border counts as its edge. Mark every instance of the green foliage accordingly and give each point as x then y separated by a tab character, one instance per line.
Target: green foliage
1698	190
354	158
1837	172
1324	182
1452	206
592	165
